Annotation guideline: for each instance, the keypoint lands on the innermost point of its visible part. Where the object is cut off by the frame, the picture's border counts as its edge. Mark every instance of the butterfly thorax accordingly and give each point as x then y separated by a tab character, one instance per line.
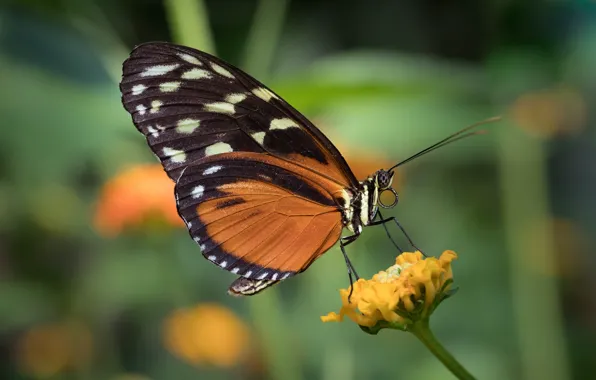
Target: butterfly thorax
363	206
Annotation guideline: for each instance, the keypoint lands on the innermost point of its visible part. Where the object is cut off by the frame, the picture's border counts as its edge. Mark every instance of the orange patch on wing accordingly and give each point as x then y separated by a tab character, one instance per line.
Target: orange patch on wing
309	244
325	177
269	225
328	170
278	231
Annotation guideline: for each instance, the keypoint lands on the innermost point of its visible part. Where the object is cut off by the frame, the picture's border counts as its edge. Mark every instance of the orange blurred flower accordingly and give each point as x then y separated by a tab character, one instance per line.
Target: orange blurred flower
136	196
406	292
207	334
550	112
365	163
47	350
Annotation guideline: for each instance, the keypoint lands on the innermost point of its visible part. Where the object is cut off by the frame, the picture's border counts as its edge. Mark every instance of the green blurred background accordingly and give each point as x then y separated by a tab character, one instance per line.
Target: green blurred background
383	79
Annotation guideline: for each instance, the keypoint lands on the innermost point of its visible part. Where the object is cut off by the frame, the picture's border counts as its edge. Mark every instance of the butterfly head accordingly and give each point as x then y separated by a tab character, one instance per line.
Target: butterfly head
383	179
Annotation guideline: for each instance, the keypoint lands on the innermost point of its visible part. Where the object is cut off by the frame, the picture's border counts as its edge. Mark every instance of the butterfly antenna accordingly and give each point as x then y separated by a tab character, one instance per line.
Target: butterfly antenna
459	135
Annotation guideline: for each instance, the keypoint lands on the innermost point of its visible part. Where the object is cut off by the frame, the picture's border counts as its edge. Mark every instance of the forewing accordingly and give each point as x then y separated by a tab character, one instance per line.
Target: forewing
191	105
258	216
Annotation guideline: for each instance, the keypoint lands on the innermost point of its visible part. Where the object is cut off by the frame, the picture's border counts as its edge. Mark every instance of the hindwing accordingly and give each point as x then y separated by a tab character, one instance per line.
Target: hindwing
259	216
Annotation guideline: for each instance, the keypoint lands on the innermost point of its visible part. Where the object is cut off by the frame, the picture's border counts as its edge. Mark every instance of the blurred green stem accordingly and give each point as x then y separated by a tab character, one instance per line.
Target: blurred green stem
338	361
189	24
276	335
532	260
422	331
264	36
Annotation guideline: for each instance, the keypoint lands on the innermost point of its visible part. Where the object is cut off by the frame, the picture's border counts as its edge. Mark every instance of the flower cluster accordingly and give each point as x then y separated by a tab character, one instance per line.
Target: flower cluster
406	292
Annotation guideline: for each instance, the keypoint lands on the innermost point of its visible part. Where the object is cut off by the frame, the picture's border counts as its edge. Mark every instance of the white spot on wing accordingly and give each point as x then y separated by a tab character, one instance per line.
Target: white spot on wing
154	132
284	123
274	277
235	270
174	154
198	191
264	176
141	109
221	107
264	94
213	169
235	98
196	239
190	59
196	74
187	126
221	71
212	258
247	274
138	89
155	106
158	70
169	86
218	148
262	277
202	247
285	276
223	264
259	137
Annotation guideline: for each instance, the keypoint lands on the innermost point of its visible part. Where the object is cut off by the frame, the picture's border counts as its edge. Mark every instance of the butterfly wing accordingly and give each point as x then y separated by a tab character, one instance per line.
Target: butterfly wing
258	216
259	186
192	105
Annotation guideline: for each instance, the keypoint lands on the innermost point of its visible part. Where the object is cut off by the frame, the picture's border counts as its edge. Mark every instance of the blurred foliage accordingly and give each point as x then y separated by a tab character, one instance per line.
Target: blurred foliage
383	79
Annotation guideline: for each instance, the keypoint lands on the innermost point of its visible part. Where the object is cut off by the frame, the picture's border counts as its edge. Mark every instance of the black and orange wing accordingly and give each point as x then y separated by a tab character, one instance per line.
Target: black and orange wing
258	216
259	186
191	105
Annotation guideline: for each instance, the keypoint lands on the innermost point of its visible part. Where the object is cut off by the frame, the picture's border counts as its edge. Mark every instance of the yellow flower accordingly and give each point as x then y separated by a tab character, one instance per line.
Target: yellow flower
207	334
135	196
406	292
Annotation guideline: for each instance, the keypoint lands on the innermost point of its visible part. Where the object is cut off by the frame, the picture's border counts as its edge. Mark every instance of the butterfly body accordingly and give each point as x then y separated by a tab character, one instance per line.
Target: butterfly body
262	191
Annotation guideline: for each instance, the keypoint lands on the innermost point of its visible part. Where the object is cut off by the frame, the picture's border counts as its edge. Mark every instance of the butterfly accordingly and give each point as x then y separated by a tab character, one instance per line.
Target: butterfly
262	190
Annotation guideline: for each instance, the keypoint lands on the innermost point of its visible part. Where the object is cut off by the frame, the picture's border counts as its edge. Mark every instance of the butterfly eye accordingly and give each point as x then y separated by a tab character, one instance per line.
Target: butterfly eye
384	179
389	195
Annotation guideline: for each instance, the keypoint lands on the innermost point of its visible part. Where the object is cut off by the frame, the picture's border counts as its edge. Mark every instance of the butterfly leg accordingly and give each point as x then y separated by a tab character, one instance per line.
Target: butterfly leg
351	271
387	232
392	219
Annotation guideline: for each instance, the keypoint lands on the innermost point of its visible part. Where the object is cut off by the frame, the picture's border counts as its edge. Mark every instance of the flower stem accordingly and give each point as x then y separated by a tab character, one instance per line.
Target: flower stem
189	23
523	163
264	36
422	331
